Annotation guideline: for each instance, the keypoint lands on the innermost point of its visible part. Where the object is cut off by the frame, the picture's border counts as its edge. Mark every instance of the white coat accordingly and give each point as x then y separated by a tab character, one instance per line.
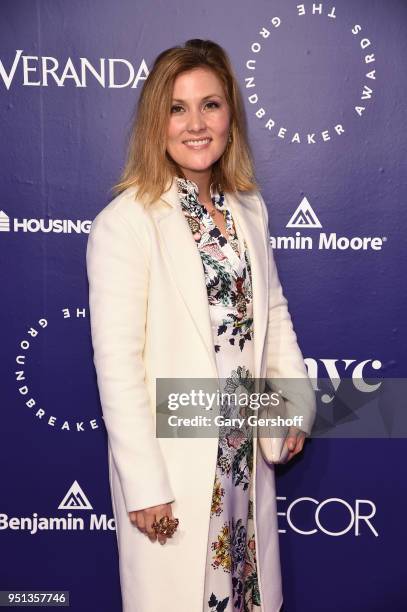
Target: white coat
150	318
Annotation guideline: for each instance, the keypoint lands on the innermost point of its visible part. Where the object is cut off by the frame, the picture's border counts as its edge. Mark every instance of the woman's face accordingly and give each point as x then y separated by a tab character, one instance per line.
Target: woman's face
198	127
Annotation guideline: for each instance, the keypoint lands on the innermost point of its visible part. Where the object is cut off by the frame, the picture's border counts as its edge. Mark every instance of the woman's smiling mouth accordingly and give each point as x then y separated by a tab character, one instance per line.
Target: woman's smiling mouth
197	143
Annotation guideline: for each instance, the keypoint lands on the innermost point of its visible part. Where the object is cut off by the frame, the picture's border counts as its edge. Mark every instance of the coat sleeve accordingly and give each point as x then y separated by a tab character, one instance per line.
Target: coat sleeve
286	370
118	273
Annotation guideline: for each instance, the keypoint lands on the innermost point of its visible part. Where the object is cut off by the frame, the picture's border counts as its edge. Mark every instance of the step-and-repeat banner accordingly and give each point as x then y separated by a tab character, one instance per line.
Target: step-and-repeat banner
324	86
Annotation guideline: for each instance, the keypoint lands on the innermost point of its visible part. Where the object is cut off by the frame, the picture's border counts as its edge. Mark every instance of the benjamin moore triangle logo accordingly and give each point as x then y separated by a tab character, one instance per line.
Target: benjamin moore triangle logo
4	222
75	499
304	216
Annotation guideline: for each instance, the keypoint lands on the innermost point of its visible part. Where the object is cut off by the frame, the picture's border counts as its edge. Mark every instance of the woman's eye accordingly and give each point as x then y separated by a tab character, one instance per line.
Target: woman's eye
176	108
216	104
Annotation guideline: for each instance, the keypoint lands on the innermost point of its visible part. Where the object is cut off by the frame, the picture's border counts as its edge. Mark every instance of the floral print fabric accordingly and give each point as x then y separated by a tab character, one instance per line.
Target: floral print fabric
231	582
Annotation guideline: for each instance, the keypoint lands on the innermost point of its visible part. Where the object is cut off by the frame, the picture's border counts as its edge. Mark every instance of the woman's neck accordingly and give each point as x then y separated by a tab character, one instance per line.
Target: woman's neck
202	181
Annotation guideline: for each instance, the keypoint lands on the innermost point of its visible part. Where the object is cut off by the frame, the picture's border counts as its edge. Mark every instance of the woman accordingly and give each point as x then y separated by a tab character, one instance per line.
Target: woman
183	285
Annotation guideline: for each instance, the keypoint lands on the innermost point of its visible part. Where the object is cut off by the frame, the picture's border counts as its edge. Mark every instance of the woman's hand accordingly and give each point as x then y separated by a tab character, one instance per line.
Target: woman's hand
294	441
143	519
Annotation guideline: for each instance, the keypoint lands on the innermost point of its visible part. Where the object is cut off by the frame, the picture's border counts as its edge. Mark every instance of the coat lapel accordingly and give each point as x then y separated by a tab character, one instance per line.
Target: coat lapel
248	215
187	270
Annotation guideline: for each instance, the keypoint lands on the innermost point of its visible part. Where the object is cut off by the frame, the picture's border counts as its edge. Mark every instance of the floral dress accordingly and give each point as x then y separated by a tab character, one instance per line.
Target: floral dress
231	582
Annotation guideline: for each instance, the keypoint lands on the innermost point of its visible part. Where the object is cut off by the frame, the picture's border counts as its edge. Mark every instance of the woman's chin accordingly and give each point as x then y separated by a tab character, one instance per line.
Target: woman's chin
197	163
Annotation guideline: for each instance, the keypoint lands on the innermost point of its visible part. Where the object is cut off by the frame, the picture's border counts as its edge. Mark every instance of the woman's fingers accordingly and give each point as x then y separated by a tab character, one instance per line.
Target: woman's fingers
165	510
295	441
140	521
149	518
133	516
144	519
291	438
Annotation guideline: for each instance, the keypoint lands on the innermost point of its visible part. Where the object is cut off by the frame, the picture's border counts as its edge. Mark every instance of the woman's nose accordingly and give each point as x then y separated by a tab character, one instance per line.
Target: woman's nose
196	120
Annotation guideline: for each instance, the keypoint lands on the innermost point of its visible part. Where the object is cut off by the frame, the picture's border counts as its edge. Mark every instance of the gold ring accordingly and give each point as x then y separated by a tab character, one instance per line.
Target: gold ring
165	526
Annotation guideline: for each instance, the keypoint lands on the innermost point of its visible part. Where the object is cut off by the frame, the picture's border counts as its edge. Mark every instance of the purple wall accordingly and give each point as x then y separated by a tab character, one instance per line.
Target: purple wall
62	147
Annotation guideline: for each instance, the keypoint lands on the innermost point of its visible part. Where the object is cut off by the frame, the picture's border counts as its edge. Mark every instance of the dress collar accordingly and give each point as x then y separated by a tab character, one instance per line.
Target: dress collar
189	187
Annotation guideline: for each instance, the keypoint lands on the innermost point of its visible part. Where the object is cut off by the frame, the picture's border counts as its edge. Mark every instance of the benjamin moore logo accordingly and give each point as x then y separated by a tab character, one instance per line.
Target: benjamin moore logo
75	499
304	217
44	226
316	40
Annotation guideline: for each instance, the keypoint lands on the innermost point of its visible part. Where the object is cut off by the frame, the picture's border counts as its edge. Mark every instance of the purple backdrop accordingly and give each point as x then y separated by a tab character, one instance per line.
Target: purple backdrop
324	87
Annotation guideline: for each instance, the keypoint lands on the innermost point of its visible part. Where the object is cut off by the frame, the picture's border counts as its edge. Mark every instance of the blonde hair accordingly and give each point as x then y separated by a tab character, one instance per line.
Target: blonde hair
148	165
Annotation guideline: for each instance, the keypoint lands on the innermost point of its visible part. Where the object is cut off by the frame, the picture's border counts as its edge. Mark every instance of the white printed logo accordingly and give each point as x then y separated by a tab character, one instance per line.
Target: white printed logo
261	65
358	516
28	346
4	222
37	71
75	499
45	226
304	216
